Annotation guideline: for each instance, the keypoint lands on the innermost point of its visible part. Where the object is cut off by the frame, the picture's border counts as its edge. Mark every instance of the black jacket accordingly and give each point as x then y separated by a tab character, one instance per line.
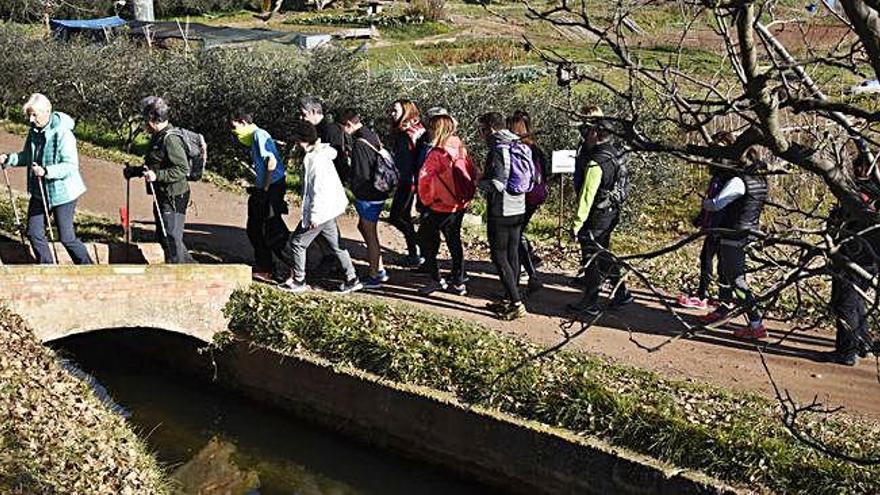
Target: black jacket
363	165
331	132
408	156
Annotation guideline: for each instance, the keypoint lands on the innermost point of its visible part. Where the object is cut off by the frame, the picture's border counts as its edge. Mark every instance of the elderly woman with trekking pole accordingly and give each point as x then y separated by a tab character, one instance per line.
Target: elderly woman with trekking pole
53	180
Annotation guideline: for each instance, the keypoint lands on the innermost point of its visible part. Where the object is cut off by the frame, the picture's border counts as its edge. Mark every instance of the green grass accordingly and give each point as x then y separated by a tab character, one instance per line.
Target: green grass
736	437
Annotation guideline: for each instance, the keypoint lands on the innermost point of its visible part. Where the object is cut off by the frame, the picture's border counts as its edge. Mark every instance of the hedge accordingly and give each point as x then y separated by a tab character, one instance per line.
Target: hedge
55	435
32	10
734	436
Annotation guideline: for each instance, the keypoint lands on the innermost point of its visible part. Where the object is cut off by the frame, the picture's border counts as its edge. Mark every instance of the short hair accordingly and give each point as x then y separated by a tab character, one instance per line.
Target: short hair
302	131
492	120
311	104
37	103
242	115
349	116
154	109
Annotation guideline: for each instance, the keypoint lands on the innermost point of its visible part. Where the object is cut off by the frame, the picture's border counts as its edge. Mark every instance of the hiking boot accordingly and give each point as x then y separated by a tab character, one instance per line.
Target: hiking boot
838	357
754	330
433	286
412	261
511	312
350	286
621	298
260	276
693	302
497	305
295	287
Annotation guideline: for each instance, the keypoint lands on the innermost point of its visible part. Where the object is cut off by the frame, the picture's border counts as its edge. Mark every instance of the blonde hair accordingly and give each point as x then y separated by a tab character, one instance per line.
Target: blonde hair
442	128
38	103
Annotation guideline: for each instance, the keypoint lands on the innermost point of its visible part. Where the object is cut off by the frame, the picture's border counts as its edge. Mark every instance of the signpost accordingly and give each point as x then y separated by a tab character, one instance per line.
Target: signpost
563	162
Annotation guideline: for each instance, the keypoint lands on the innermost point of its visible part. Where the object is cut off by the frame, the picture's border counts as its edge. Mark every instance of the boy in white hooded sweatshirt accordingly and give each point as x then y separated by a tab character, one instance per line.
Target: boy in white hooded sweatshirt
323	201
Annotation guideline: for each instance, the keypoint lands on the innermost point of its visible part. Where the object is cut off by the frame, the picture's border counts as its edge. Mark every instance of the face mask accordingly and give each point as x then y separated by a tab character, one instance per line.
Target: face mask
245	134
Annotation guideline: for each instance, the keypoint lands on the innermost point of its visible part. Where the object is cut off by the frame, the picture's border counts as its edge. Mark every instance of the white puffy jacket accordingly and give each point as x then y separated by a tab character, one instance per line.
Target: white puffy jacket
323	196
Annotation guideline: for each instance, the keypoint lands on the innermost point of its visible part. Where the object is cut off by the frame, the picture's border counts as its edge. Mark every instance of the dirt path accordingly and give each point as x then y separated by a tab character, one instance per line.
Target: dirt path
217	218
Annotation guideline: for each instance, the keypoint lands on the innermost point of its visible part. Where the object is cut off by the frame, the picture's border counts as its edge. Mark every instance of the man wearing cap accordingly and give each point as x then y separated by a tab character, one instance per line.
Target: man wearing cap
597	215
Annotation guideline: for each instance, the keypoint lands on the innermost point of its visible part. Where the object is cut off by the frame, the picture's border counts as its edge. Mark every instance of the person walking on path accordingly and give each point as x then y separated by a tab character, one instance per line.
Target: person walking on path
859	242
742	200
407	133
323	200
368	200
520	124
53	179
329	132
266	229
166	168
707	221
446	185
506	212
598	213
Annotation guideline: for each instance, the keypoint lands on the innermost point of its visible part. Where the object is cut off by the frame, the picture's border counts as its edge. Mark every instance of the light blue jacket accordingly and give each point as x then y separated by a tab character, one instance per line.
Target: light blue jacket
62	181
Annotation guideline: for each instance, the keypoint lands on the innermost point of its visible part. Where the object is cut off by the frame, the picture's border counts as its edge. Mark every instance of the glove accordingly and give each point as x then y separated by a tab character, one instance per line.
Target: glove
132	172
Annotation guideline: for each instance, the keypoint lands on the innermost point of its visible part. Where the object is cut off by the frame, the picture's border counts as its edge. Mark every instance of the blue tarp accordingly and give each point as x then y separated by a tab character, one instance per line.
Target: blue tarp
88	24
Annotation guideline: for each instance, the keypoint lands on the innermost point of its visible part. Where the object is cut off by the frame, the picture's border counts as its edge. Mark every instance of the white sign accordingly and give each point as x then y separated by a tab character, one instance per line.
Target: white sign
563	162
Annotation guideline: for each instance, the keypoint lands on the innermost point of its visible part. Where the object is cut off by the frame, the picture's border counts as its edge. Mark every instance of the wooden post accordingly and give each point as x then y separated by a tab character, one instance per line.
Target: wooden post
143	10
561	209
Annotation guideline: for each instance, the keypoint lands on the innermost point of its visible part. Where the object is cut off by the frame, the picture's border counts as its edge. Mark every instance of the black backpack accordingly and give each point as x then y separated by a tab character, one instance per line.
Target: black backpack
619	190
196	151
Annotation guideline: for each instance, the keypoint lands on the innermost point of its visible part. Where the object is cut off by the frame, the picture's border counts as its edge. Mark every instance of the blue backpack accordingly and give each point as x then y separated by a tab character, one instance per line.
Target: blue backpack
522	168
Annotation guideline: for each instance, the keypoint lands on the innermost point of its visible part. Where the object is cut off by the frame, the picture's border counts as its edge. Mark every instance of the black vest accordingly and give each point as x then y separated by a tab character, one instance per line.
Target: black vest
745	213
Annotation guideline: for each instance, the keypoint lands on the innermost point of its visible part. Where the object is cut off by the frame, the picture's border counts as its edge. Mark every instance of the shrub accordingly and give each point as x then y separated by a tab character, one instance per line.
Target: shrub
734	436
432	10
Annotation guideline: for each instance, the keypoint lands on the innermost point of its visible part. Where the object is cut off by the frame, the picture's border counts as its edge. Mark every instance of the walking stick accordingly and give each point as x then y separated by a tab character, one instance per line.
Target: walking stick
18	224
124	217
158	210
43	193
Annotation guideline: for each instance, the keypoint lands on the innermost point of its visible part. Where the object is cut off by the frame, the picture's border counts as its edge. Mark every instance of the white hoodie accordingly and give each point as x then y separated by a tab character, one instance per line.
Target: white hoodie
323	196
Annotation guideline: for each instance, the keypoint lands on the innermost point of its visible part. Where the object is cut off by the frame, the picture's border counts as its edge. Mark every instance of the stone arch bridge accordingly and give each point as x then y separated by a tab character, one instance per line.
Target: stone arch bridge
64	300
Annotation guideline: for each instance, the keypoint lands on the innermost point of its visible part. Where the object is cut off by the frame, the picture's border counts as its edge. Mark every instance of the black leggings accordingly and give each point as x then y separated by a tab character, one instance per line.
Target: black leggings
708	255
525	249
400	216
735	288
504	237
430	227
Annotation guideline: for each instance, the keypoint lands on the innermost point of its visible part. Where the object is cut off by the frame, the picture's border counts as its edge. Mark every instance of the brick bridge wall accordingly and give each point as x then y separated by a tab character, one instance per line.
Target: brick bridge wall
58	301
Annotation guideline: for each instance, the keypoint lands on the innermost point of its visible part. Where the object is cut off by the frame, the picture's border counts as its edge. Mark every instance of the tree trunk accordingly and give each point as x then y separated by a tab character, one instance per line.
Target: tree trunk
143	10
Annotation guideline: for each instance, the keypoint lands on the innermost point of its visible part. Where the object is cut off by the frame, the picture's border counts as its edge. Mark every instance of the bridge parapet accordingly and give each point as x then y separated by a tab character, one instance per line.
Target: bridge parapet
58	301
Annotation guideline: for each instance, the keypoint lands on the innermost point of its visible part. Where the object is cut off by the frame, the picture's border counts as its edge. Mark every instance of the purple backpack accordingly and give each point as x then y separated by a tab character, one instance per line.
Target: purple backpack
522	168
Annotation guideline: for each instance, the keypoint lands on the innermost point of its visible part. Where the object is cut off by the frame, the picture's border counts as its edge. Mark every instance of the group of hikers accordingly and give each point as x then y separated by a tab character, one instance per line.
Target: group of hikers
428	168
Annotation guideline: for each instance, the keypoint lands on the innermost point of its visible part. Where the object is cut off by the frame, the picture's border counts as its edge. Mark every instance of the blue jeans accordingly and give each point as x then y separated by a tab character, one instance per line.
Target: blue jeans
64	222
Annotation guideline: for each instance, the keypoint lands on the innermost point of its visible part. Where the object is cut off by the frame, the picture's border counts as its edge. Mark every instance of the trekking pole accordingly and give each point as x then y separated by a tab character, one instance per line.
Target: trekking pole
43	193
18	224
158	210
125	218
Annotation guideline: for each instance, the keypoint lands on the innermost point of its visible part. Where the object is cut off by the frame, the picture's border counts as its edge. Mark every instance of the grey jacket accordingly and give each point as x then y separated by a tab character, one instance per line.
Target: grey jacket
499	202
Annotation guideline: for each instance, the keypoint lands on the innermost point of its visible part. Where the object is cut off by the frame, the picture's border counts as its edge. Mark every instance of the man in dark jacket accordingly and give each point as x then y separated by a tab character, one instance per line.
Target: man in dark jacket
166	168
368	200
860	246
596	218
329	132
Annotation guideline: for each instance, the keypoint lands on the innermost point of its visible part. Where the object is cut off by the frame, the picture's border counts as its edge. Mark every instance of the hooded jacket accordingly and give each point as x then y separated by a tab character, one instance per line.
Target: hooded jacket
407	146
436	184
323	195
364	160
499	202
54	147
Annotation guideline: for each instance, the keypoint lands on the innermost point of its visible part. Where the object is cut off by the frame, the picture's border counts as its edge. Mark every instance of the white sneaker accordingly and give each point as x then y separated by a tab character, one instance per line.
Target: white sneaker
290	285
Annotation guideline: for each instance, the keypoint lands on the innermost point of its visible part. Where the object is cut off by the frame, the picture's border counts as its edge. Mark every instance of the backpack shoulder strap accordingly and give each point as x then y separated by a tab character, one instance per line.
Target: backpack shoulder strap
369	144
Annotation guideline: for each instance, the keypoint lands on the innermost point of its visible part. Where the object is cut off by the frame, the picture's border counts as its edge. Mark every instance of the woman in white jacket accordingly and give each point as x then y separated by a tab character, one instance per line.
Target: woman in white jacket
323	200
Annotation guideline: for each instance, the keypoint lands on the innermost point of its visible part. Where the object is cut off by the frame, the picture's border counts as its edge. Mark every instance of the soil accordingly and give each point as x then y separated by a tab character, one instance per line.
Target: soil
216	220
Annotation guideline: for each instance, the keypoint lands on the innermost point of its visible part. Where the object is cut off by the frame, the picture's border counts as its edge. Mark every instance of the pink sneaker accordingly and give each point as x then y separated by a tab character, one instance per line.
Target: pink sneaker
752	331
692	302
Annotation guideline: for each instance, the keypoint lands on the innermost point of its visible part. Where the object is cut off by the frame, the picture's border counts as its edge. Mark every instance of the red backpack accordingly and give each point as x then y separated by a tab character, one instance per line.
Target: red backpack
457	180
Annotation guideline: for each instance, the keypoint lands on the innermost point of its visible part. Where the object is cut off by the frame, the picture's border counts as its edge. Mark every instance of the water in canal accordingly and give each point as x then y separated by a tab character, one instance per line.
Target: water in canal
208	436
